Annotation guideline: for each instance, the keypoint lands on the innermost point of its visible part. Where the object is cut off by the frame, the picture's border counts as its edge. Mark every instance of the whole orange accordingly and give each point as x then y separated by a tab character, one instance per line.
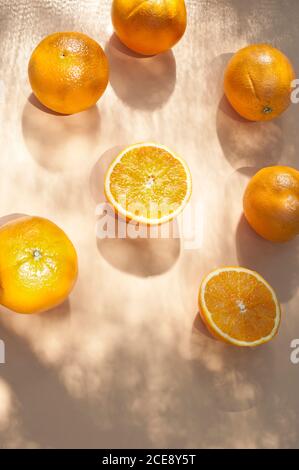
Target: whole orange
68	72
38	265
257	82
151	26
271	203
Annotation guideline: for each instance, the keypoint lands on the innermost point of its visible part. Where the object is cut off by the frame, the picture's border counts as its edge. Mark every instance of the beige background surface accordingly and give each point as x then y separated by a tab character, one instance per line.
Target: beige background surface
126	362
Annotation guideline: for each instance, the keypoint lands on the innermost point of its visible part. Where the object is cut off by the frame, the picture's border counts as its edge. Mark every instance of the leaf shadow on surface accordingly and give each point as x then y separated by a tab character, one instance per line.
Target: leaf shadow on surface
230	369
240	380
50	417
146	392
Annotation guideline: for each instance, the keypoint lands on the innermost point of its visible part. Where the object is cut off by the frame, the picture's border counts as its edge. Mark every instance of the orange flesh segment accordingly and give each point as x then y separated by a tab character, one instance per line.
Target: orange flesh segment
241	305
148	181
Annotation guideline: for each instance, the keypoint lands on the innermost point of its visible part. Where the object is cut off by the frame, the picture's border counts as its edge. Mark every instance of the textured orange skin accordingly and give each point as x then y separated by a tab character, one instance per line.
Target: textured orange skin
258	78
151	26
29	284
271	203
68	72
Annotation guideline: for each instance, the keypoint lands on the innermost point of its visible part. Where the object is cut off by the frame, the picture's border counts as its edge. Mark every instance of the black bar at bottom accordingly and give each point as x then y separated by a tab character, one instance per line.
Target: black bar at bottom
140	457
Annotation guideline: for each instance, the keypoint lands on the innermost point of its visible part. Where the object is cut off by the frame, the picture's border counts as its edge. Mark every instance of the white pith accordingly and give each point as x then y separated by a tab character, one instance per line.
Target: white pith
242	306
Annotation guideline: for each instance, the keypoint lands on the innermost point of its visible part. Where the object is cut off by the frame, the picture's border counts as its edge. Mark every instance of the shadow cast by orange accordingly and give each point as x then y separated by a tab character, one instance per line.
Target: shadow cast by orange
97	176
137	249
245	143
198	325
277	262
8	218
35	102
57	314
59	142
139	81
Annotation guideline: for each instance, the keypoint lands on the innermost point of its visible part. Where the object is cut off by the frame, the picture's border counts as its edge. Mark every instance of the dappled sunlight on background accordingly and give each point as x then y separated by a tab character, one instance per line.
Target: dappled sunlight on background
5	405
126	361
12	432
236	376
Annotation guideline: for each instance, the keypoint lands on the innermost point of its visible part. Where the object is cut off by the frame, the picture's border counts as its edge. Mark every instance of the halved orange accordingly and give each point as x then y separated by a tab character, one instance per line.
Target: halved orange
238	306
148	183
